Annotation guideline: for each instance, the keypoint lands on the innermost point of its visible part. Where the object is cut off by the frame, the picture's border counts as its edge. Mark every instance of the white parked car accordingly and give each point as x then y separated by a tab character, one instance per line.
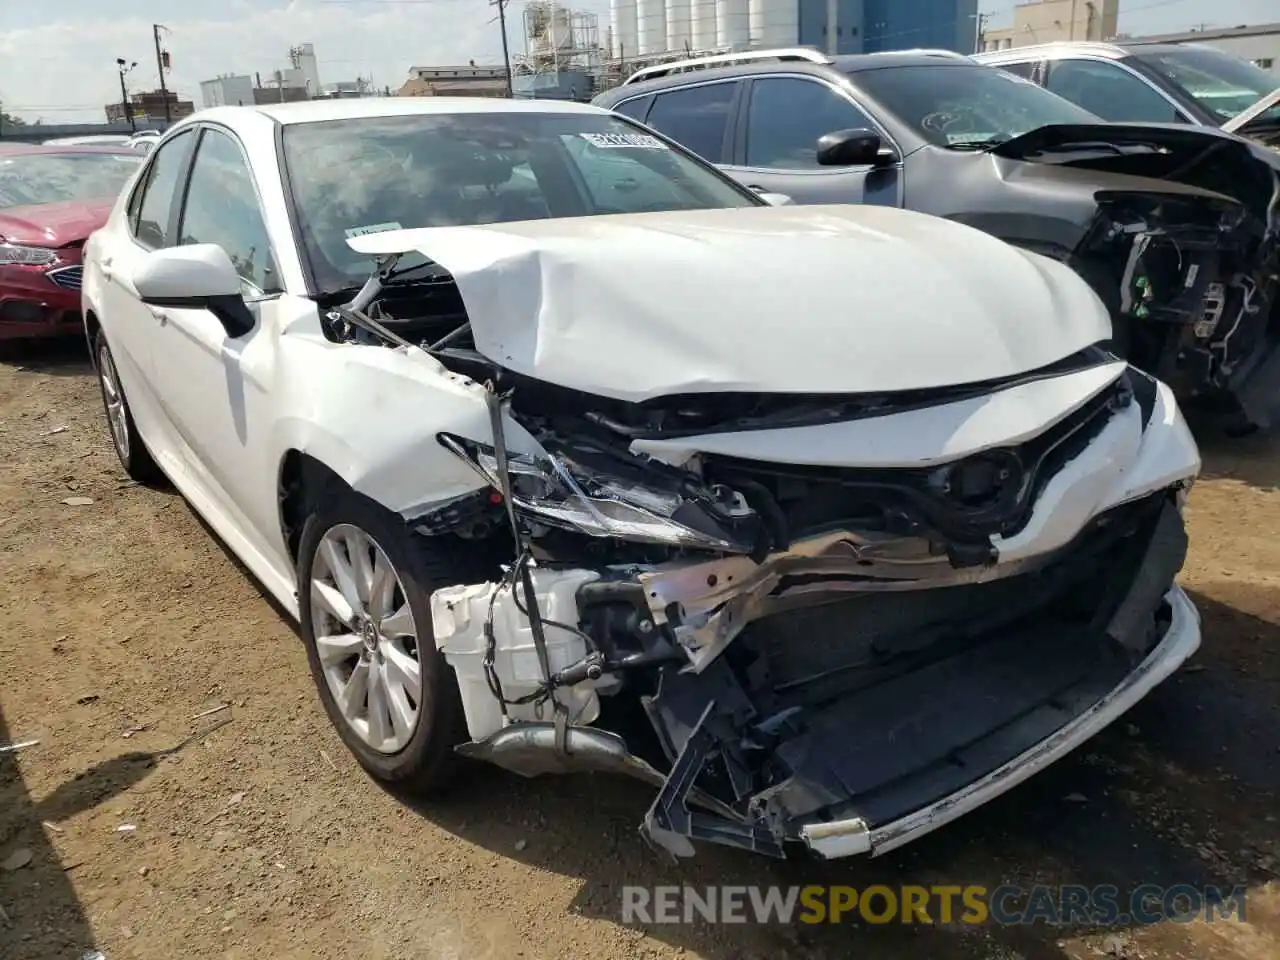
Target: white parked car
831	522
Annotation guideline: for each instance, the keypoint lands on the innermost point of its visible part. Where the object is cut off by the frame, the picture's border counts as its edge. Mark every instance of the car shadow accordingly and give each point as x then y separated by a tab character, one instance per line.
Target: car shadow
1251	460
60	357
42	915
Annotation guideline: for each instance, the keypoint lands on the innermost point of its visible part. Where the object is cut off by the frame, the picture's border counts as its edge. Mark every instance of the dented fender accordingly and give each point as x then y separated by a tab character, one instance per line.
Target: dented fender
378	432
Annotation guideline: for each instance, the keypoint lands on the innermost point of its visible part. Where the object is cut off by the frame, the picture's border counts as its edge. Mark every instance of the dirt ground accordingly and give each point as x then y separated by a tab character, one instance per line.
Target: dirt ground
258	837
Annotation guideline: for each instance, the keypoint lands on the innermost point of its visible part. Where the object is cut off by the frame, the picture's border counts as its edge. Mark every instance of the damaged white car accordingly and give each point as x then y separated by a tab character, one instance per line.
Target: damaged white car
568	453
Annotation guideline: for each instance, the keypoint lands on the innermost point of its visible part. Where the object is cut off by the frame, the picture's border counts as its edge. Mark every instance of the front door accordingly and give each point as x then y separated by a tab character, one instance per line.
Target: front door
215	386
777	150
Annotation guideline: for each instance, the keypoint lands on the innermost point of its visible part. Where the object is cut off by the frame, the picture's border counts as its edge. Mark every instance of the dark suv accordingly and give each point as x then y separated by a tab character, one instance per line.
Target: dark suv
1172	225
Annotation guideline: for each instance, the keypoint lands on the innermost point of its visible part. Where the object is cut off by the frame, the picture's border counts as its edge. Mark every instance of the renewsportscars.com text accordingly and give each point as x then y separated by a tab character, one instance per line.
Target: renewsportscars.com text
968	904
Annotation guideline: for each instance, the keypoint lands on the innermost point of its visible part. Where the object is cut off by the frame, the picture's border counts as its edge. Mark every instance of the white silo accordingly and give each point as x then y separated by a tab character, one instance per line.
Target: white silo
651	24
774	23
622	17
732	25
678	23
702	29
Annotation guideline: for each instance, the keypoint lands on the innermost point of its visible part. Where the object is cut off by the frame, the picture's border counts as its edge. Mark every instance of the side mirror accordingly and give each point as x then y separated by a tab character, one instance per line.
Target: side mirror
852	148
775	199
199	276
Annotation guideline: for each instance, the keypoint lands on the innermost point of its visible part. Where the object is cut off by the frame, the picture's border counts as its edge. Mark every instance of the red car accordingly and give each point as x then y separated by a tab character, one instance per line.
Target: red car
51	198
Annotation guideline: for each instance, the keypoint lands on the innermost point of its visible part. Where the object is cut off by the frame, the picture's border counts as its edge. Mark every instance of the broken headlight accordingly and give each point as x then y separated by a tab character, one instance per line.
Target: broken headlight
559	493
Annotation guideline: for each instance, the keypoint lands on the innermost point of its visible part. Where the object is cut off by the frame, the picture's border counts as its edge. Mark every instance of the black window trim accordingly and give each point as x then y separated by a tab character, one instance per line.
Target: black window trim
739	153
185	185
144	183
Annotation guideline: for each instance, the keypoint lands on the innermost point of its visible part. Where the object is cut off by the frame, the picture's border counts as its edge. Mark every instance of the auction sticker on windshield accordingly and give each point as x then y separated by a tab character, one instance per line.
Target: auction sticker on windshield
616	141
372	228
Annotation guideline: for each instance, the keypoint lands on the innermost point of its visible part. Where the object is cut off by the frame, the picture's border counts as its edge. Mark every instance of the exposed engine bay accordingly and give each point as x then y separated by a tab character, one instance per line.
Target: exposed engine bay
790	653
1192	276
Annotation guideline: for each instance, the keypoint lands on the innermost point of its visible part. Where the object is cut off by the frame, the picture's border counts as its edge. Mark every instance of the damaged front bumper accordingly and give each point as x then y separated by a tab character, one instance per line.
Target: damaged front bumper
840	838
844	696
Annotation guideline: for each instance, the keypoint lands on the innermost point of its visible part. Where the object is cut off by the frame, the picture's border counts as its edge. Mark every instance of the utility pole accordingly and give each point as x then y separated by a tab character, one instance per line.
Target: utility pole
506	54
162	62
124	93
981	33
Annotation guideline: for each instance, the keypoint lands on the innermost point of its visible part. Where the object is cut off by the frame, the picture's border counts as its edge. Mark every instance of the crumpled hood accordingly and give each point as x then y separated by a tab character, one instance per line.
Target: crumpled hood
53	224
1200	158
812	299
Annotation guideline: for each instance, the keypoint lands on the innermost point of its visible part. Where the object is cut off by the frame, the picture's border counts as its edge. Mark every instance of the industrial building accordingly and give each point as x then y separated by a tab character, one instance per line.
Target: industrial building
149	105
228	90
455	81
1259	44
1052	21
657	29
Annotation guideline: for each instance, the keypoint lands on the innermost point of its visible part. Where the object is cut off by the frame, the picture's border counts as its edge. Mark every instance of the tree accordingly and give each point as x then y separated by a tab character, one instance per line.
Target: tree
8	120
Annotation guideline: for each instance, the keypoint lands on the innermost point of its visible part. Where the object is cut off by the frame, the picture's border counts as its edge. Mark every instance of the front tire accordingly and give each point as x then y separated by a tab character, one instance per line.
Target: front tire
134	456
364	584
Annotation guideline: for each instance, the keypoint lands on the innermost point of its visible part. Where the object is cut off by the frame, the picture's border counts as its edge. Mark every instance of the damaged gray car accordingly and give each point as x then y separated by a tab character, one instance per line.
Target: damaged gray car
1176	228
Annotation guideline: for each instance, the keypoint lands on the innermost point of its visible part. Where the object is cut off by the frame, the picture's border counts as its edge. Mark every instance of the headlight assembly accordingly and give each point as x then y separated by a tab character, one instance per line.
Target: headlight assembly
17	253
569	496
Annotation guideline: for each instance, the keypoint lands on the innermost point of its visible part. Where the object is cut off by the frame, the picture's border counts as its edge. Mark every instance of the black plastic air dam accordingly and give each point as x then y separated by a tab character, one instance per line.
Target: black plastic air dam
891	749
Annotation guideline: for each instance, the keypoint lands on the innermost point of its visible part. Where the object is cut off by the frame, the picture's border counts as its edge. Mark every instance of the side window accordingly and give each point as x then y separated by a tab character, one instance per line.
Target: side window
635	109
788	115
1025	69
1109	91
221	207
152	203
696	117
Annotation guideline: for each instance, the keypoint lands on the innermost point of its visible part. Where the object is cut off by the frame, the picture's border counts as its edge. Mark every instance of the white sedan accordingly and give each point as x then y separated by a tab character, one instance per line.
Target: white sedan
568	453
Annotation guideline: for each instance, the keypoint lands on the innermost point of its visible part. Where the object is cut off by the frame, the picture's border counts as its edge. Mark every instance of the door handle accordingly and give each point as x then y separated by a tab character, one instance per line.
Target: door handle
756	187
105	264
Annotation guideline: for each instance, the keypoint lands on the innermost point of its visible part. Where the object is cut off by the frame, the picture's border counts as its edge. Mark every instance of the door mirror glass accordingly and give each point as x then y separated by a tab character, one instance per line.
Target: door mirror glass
197	276
848	148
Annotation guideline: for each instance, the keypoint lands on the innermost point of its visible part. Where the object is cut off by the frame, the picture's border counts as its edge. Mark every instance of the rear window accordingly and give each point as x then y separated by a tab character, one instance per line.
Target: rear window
952	106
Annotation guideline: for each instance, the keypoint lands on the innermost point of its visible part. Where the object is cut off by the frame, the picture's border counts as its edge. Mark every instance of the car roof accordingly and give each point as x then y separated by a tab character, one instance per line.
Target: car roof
353	108
119	150
1110	51
844	64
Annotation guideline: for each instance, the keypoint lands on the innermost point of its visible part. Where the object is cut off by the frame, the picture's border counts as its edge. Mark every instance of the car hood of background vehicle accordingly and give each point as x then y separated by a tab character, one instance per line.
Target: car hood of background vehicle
1201	157
53	224
803	299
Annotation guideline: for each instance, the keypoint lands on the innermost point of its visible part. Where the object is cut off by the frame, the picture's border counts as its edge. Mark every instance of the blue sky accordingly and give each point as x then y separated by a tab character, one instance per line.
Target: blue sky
57	60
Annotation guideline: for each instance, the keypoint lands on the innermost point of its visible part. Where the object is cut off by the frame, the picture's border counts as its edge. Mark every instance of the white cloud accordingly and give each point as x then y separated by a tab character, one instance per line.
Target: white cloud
66	71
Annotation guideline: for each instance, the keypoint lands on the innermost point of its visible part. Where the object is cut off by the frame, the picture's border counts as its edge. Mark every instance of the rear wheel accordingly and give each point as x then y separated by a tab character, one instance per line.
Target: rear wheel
364	584
134	456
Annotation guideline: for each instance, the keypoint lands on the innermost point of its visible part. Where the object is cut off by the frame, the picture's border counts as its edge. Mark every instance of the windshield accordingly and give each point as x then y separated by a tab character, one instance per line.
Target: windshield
1220	83
367	175
36	178
954	106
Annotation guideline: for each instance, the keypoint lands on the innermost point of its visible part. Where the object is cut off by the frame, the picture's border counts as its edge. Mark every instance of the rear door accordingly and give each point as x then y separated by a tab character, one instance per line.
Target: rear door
776	147
698	116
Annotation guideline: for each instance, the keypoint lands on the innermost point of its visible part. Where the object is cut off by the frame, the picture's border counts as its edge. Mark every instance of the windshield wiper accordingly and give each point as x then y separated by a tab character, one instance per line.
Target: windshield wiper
986	144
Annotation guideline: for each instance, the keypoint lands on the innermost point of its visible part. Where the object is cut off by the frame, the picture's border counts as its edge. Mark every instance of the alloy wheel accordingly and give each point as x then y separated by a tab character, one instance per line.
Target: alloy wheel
113	398
366	638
